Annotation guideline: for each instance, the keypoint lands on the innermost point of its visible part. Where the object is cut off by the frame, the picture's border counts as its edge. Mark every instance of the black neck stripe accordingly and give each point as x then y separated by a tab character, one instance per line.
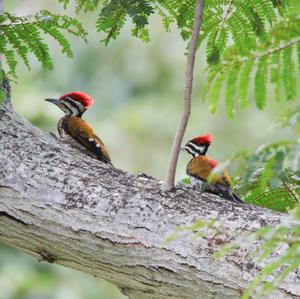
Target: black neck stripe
193	146
67	108
73	104
191	151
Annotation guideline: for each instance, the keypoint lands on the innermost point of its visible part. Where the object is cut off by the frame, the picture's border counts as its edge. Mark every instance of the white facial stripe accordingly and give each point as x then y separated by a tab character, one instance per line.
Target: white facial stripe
75	107
65	108
80	107
197	148
190	150
194	149
73	110
192	145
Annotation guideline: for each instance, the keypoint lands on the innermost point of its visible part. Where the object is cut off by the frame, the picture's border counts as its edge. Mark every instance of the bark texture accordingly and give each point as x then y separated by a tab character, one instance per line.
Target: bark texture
64	207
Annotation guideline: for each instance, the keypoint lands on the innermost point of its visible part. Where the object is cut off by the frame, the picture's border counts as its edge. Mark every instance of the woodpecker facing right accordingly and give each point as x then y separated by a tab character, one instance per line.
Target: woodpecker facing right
200	167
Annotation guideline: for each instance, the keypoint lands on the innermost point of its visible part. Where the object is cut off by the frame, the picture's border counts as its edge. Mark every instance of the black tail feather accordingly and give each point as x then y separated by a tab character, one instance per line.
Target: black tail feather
234	197
229	195
222	191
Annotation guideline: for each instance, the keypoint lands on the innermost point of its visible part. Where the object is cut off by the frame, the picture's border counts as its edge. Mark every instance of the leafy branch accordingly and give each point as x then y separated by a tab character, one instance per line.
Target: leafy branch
23	35
276	249
273	61
270	176
283	239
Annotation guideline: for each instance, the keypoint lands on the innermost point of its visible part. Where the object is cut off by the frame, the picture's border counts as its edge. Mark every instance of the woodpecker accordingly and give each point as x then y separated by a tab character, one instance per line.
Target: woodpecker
198	146
74	130
201	167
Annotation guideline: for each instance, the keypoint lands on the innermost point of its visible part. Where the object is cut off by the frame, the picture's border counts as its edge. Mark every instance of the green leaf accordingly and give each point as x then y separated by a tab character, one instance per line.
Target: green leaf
20	48
260	81
214	92
275	73
59	37
288	74
65	3
186	181
230	90
244	82
22	35
298	55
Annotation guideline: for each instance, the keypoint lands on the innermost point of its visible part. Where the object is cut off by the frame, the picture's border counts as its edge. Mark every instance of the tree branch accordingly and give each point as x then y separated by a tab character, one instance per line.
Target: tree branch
66	208
187	96
5	88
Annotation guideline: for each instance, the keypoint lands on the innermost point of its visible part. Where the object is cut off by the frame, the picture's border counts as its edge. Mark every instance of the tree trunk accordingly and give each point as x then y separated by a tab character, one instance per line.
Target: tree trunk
64	207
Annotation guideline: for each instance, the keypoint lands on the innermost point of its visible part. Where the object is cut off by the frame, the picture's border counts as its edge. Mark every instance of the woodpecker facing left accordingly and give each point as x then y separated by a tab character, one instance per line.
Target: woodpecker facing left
201	167
74	130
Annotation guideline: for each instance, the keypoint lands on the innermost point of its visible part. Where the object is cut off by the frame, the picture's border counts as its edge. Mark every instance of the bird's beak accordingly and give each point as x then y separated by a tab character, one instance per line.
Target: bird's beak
54	101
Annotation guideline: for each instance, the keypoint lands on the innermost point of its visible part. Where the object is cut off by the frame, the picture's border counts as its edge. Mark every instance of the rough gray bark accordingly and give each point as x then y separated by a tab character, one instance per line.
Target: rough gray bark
66	208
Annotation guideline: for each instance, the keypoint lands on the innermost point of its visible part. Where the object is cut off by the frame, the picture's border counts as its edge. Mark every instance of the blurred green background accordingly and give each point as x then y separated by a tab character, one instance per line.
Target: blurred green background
138	92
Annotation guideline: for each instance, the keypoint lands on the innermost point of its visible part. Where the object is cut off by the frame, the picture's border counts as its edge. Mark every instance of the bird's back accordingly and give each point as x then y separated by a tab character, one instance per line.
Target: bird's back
80	134
201	167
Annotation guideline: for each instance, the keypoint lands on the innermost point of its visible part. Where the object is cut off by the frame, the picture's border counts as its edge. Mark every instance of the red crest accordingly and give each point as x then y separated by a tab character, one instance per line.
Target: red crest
79	96
208	138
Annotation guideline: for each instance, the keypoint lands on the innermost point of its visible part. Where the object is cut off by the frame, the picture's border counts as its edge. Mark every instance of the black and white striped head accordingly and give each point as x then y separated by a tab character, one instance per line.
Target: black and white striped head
73	103
198	146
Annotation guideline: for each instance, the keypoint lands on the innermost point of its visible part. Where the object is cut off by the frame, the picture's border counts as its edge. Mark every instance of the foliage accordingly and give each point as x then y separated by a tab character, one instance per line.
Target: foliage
249	44
282	197
223	20
246	73
186	181
113	14
276	248
281	243
270	177
24	35
287	237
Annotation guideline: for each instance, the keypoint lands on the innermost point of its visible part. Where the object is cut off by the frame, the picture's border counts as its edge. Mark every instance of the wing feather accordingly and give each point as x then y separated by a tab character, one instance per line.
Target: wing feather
83	133
200	168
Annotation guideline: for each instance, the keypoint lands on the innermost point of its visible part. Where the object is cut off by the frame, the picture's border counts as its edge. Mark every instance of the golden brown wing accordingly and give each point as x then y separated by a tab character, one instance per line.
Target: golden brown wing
82	132
201	167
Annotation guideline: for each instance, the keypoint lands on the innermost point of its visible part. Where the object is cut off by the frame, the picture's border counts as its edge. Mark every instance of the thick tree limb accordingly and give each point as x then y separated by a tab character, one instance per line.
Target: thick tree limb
66	208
